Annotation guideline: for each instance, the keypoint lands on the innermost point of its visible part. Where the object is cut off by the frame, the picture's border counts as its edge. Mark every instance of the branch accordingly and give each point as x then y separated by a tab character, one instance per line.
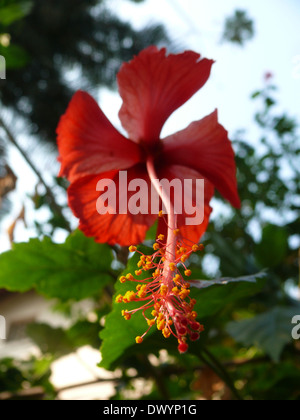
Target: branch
33	393
40	392
212	362
56	208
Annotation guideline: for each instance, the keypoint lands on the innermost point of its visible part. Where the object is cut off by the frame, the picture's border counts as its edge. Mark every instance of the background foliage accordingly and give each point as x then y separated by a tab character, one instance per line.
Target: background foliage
247	351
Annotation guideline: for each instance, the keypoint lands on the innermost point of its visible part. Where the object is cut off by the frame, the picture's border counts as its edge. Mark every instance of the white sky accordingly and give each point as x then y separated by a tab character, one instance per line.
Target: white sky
238	72
198	25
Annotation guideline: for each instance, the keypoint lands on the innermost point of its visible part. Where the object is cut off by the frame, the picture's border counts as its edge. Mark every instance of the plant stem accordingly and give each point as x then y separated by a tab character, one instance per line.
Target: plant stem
220	370
157	376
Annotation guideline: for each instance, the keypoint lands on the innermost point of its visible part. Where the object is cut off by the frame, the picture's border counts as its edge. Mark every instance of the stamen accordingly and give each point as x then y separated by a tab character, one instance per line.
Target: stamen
165	294
133	249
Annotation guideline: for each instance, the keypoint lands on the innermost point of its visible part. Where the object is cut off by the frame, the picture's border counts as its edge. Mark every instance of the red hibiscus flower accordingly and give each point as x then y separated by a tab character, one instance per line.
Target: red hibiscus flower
152	86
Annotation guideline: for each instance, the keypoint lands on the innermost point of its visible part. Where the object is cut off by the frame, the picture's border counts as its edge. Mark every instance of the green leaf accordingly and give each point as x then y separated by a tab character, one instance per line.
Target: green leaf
11	376
284	125
59	342
270	332
119	334
49	339
269	102
203	284
232	261
256	94
15	56
211	300
77	269
152	233
10	13
238	28
84	333
273	247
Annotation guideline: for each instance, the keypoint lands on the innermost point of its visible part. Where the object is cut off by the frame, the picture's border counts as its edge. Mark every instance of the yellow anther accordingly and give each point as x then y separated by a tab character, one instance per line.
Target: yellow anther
139	340
119	299
176	291
176	232
156	247
176	281
194	315
126	315
161	325
140	264
196	247
184	258
166	333
161	237
132	249
151	322
132	297
130	277
160	317
143	292
164	290
184	294
139	272
129	297
161	213
123	279
154	313
188	273
172	267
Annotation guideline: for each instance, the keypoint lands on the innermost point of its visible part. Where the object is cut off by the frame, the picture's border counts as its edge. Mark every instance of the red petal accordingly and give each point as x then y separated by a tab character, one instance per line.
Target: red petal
89	144
154	85
205	147
113	229
191	233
